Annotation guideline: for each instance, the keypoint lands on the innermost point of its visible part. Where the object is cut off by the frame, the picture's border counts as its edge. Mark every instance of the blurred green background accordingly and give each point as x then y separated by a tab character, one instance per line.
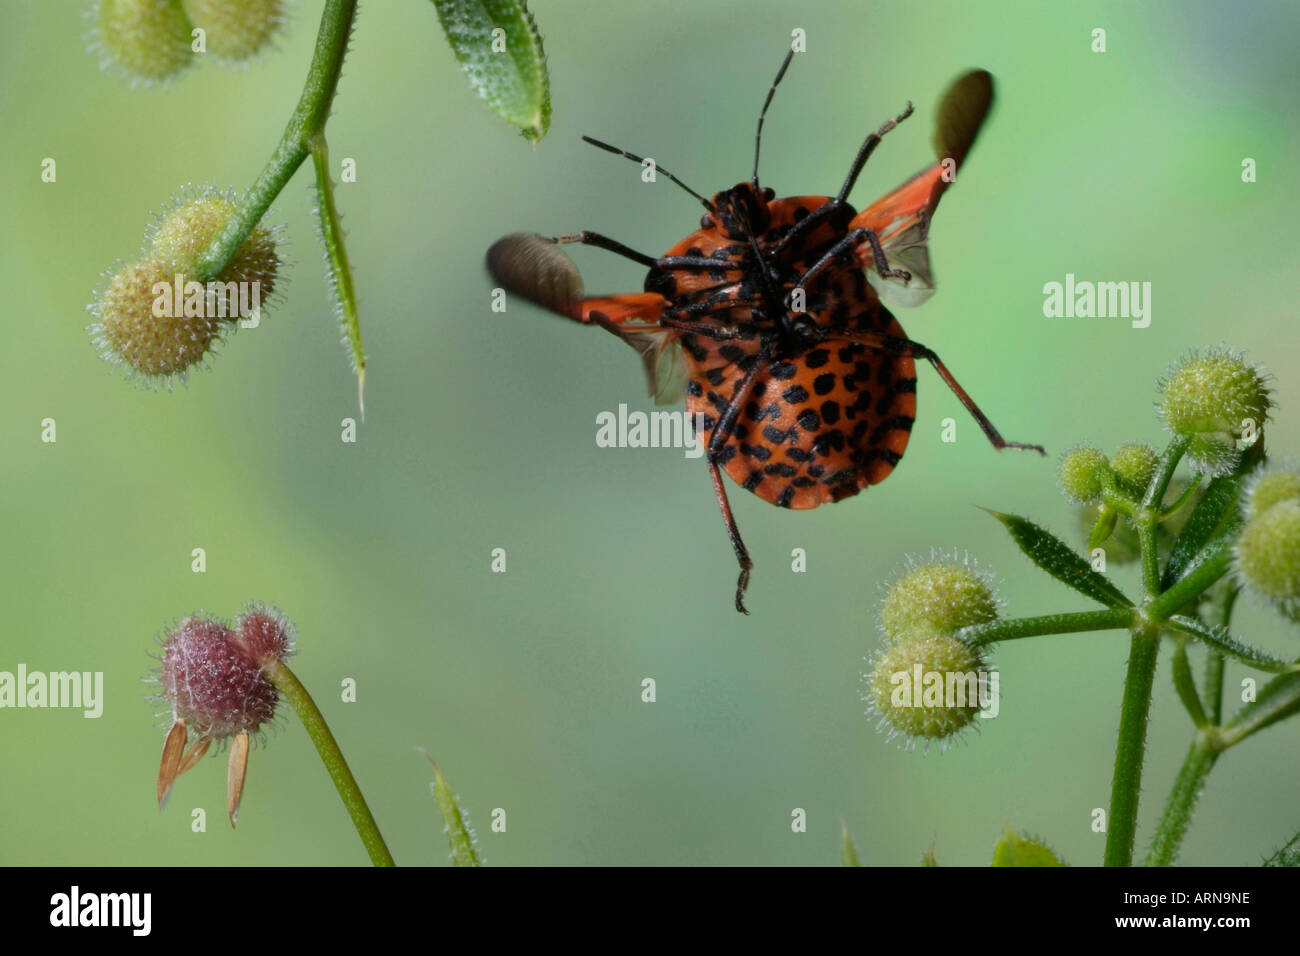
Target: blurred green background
480	434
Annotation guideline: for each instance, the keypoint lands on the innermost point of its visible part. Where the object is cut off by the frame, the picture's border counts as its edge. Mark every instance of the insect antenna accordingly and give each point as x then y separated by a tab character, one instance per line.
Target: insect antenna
640	159
762	114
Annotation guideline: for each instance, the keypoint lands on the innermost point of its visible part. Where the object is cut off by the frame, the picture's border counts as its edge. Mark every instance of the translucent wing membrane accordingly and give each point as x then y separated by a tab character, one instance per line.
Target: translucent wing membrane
537	269
901	219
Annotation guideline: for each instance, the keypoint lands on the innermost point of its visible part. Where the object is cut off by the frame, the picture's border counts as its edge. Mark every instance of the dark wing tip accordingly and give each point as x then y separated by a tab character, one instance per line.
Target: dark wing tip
962	110
536	268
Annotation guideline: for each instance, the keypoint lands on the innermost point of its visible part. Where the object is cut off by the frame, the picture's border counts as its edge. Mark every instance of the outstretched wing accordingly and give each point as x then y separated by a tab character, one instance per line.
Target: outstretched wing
902	218
536	268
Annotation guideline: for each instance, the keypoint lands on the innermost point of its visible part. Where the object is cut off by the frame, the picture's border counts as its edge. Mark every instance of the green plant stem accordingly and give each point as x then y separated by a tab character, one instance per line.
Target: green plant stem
1182	800
308	119
1186	686
1206	568
288	684
1111	618
1214	660
1130	747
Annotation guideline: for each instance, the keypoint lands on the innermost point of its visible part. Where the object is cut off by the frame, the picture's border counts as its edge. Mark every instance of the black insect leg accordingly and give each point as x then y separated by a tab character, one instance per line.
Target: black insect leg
826	209
847	243
895	345
604	242
721	433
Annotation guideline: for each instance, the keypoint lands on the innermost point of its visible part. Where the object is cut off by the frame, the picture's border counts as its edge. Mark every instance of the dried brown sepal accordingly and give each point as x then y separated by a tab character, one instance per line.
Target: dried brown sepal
235	774
194	755
169	766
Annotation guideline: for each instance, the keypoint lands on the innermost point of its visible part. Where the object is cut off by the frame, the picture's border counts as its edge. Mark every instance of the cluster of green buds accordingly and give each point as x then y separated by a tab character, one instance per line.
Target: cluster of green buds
1232	524
926	684
155	40
159	316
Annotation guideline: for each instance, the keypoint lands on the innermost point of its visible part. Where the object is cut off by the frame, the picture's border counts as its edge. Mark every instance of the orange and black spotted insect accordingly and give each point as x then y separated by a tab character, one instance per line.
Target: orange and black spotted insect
770	319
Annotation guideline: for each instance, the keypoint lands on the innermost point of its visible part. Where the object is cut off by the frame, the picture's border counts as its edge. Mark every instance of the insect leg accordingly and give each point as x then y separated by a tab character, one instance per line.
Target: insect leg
864	152
721	433
852	239
742	555
664	262
895	345
604	242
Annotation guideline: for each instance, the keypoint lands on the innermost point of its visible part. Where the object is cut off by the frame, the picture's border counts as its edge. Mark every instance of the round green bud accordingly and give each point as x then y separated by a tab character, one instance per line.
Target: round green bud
942	596
236	29
1268	555
1134	464
1083	474
133	329
149	39
1215	400
1268	487
928	686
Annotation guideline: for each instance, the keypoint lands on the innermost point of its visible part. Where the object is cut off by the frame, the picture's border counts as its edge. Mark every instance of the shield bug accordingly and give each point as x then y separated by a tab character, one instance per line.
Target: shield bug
770	318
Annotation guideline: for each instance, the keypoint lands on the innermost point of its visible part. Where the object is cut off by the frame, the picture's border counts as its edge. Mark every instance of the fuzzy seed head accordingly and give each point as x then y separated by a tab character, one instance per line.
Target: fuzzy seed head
149	39
1268	555
941	596
128	332
1213	399
236	29
911	680
1134	464
1083	474
186	231
265	633
212	683
1269	487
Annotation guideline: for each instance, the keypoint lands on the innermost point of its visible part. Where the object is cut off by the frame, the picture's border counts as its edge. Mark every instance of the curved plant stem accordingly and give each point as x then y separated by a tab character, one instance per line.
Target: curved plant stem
1111	618
307	120
1130	747
288	684
1186	686
1182	800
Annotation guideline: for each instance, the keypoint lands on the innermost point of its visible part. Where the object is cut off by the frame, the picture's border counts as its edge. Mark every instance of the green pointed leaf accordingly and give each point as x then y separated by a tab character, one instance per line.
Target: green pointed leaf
1279	700
1060	561
1015	850
463	851
500	50
928	858
848	852
1221	640
1215	513
1288	855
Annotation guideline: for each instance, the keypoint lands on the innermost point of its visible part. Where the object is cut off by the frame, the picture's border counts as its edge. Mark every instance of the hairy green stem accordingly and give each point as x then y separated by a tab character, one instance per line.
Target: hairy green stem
1205	569
1130	747
1111	618
1182	800
308	119
287	683
1186	686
